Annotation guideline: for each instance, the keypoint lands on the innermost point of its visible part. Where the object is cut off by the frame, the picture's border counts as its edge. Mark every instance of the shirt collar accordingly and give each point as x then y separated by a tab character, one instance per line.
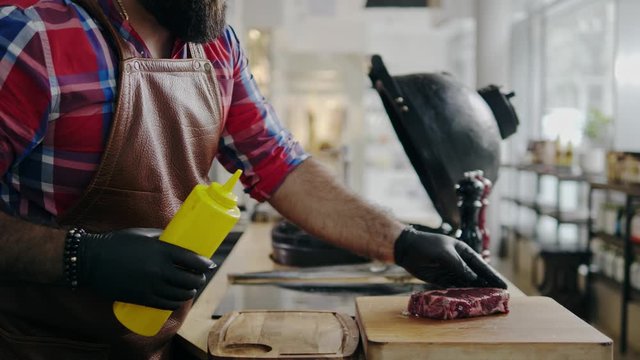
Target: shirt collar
112	10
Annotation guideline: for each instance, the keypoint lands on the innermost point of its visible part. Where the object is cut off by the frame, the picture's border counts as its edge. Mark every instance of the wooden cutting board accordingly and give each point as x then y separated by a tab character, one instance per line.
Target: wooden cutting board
283	335
536	328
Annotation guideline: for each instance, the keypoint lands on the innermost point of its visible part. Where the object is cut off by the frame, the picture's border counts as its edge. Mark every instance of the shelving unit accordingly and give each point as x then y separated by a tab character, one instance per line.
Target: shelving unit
584	219
562	174
615	241
561	258
563	217
634	295
632	198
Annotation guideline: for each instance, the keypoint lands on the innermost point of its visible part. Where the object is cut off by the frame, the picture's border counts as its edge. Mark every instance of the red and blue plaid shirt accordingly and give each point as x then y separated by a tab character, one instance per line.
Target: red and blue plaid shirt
57	92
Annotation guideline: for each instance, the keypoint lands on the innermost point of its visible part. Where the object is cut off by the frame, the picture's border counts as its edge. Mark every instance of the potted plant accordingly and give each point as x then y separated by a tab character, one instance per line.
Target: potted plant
597	133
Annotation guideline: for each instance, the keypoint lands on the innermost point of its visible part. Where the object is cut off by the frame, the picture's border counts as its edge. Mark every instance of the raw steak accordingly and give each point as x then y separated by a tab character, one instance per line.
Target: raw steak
459	303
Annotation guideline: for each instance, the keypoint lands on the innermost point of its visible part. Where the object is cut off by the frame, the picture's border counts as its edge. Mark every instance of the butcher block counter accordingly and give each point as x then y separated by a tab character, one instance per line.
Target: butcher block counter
251	254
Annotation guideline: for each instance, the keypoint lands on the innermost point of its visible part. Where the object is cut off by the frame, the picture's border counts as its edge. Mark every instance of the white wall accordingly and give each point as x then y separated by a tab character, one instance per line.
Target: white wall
627	77
407	40
310	36
493	45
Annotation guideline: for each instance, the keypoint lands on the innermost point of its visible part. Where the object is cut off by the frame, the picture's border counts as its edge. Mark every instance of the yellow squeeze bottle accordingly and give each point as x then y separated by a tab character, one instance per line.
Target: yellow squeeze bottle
200	225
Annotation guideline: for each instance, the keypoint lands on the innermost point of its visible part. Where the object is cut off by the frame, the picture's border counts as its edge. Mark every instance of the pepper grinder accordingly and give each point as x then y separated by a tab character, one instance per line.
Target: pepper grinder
470	191
482	216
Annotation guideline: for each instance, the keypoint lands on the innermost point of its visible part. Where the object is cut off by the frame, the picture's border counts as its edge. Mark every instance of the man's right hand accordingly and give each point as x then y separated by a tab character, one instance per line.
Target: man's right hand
134	266
443	261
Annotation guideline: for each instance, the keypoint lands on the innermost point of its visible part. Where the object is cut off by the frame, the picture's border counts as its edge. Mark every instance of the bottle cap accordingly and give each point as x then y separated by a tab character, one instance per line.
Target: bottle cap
223	194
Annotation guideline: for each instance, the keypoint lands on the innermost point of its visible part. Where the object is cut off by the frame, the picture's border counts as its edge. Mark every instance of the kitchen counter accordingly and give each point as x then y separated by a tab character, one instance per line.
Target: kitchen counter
250	254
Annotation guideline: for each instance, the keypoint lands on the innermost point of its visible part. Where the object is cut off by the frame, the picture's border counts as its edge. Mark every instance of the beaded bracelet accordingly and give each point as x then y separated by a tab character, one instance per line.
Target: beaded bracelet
70	258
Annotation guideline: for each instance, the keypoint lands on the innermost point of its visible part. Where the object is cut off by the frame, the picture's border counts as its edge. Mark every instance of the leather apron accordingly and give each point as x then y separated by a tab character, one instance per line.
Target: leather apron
163	141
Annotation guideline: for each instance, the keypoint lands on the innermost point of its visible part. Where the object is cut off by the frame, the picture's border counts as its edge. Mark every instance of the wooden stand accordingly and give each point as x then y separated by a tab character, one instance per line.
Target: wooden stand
284	335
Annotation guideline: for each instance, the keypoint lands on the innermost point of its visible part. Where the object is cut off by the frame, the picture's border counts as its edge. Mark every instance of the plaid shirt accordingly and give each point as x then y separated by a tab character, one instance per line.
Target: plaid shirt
57	93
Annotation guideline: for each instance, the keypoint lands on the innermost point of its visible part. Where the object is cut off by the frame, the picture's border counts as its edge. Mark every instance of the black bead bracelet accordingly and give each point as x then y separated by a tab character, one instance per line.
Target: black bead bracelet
71	246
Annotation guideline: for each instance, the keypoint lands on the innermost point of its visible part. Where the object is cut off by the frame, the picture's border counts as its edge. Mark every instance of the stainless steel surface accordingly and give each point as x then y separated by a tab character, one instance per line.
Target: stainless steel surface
305	296
343	272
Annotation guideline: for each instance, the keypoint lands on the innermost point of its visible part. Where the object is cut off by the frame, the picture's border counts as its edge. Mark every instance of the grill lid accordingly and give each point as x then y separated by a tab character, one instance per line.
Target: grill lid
445	128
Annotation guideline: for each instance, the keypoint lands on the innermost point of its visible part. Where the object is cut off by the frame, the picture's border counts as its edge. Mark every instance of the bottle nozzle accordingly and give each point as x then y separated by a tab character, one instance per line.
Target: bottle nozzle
228	186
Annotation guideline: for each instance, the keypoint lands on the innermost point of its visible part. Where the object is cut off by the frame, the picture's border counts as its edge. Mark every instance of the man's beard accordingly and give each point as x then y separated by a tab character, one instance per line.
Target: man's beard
197	21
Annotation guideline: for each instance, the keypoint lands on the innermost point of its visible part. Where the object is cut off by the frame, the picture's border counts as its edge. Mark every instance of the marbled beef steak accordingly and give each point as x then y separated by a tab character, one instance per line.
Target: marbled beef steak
459	303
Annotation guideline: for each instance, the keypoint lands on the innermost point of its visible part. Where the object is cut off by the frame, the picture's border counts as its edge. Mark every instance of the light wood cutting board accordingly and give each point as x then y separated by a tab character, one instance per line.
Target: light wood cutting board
536	328
264	334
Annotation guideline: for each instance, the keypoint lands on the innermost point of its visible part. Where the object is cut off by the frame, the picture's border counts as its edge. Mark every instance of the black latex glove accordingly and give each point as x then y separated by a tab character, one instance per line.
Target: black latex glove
133	266
443	261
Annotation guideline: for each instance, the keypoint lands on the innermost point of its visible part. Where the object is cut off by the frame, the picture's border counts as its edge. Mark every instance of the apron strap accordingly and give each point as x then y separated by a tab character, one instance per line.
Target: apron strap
92	7
197	51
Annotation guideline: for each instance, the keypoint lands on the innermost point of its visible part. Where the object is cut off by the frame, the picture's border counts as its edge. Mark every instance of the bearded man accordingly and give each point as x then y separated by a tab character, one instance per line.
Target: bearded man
111	111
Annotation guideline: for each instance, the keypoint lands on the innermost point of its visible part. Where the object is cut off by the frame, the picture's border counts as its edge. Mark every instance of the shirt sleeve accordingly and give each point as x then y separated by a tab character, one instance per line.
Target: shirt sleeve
24	86
254	139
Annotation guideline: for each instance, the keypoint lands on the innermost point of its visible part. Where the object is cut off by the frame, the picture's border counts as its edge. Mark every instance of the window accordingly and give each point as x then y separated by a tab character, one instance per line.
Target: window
578	63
